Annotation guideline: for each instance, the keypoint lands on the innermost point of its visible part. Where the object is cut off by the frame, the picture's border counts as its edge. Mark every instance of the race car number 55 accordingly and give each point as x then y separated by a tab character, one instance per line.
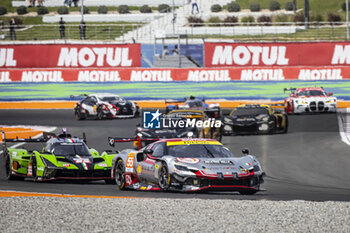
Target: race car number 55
130	163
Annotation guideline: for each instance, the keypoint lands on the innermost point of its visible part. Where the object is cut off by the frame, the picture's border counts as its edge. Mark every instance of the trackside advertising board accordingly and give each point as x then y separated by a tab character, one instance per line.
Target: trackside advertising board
169	75
277	54
70	56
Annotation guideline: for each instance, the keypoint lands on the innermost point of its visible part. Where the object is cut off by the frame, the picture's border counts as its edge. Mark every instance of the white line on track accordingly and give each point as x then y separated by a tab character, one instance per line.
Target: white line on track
343	122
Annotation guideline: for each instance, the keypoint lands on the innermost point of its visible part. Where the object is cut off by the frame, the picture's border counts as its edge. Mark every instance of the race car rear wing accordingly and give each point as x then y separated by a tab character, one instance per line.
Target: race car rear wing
80	95
291	89
45	138
113	140
185	99
174	101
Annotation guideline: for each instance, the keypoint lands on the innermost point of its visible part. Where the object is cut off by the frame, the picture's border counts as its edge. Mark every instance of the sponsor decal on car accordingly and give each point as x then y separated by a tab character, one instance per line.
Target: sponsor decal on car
128	180
81	160
189	142
188	160
30	170
139	169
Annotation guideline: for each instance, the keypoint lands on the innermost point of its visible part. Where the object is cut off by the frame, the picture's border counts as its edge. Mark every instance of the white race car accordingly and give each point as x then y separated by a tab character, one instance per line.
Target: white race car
104	105
310	99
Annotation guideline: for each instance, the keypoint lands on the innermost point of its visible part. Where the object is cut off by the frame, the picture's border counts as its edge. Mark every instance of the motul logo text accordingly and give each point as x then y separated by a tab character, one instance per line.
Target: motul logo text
254	55
6	58
208	75
151	75
72	57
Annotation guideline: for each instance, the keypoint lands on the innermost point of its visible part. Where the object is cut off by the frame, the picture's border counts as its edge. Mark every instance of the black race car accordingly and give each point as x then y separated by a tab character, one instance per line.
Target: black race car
104	105
193	103
255	119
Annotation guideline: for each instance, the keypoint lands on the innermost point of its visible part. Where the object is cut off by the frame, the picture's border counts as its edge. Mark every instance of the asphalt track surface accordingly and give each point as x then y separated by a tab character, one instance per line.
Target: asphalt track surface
310	162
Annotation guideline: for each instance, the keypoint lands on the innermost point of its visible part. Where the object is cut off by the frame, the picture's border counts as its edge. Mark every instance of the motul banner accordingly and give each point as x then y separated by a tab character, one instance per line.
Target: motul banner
277	54
169	75
70	56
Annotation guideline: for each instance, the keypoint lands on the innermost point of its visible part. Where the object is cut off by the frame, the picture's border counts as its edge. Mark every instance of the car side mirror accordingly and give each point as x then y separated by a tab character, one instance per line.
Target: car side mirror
140	157
330	93
148	151
245	151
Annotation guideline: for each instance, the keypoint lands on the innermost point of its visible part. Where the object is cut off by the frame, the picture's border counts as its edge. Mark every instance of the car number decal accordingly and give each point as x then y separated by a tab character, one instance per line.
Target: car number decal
128	180
130	163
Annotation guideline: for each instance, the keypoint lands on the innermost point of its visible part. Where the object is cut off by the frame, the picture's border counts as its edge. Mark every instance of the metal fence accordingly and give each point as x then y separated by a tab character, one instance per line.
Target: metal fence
106	32
285	31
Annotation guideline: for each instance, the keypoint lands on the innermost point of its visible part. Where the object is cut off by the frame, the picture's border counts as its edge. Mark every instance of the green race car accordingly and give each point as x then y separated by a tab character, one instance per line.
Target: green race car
63	157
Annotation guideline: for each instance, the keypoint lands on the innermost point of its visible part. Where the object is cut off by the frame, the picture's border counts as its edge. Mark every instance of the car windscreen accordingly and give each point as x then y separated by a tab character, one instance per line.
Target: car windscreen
194	103
312	93
250	111
111	98
66	149
199	151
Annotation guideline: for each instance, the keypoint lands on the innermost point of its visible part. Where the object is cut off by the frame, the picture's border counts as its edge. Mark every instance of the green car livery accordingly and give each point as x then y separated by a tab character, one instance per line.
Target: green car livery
63	157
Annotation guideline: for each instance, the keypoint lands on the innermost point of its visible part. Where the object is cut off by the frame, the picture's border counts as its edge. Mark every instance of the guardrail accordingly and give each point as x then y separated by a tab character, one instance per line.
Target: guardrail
285	31
269	31
71	32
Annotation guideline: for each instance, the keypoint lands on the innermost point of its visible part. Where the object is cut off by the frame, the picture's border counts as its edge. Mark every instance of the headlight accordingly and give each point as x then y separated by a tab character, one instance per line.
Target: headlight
331	101
264	127
228	120
262	117
301	102
139	134
189	134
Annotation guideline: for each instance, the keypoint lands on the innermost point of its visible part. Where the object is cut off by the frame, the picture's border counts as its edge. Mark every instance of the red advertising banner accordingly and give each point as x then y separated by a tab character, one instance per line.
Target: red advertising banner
70	56
277	54
169	75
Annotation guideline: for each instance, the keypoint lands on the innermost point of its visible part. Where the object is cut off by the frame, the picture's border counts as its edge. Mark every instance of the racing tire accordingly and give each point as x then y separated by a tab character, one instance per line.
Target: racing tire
248	192
274	126
119	175
34	169
99	114
285	130
8	170
78	115
164	178
291	108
